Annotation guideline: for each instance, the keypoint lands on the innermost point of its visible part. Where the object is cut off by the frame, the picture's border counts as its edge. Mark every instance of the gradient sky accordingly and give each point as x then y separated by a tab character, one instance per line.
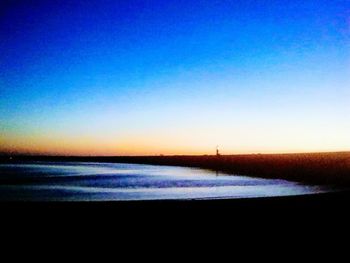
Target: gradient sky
174	77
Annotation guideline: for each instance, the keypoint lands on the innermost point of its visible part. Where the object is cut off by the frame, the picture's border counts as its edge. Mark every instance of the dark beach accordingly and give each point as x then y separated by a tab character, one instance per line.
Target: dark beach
317	212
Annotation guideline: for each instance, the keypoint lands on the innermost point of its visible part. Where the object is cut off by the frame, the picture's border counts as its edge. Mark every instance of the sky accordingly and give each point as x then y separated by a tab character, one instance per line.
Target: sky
174	77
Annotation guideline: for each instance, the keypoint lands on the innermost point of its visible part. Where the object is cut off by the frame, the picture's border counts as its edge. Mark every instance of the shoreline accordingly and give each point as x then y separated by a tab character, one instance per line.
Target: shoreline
311	204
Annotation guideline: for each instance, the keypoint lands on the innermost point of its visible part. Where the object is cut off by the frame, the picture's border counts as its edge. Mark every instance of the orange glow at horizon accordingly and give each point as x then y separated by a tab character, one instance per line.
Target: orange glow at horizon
182	144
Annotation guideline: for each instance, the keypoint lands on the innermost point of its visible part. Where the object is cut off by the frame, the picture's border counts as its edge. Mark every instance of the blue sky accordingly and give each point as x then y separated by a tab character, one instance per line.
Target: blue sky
149	77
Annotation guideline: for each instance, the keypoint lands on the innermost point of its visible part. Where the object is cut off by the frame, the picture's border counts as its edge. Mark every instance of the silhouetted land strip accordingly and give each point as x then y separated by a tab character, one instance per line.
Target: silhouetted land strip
315	168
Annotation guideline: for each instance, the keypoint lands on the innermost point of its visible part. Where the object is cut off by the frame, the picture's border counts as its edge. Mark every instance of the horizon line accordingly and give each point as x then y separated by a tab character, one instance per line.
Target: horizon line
162	155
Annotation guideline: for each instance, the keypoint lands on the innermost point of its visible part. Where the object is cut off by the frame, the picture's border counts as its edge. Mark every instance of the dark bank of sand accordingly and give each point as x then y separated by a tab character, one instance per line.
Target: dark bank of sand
304	207
224	222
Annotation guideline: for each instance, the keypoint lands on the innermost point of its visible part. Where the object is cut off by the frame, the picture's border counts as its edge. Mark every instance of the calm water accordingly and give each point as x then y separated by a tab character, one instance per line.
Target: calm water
67	181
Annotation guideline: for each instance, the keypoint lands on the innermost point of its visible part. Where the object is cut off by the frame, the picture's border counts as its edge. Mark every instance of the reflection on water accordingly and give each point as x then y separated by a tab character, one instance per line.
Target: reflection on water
67	181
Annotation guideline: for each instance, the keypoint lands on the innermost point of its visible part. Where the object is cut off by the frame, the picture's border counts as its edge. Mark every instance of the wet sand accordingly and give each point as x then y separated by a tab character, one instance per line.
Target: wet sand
320	207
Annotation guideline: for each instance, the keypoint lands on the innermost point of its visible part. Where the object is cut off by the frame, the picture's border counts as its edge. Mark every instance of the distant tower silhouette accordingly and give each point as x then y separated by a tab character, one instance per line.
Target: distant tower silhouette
217	151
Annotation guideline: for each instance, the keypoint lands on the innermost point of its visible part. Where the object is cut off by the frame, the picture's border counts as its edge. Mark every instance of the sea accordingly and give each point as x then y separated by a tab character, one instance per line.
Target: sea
83	181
